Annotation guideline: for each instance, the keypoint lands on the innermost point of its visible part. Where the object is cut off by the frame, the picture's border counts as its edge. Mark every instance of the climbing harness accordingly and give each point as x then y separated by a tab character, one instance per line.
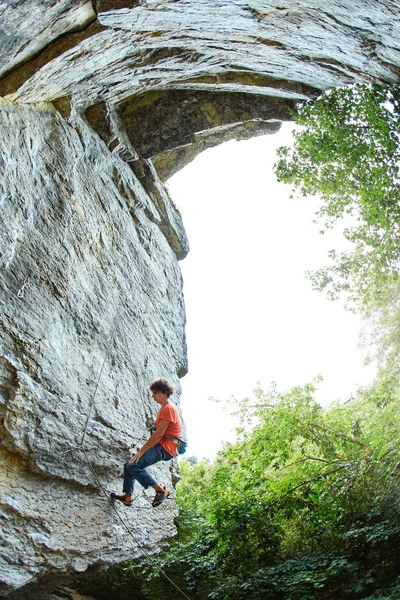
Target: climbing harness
181	444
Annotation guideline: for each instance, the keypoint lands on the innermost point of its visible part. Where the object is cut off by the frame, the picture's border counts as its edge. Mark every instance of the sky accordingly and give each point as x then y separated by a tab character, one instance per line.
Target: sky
252	315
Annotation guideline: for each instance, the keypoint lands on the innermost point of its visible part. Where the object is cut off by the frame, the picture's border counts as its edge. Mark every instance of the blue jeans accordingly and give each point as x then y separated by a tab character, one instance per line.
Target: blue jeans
137	470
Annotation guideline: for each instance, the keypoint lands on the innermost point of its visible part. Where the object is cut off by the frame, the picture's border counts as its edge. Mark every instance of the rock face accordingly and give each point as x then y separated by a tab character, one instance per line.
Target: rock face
101	102
89	282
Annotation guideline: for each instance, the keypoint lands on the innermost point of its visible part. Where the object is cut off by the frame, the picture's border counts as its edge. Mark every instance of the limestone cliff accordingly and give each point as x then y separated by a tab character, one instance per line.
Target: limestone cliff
101	102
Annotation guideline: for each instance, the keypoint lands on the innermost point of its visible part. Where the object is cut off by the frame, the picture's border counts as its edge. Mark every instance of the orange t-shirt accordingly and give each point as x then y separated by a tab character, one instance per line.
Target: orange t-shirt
169	412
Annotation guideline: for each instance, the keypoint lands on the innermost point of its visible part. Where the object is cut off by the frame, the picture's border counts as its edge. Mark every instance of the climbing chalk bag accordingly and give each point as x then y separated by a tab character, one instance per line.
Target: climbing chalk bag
181	446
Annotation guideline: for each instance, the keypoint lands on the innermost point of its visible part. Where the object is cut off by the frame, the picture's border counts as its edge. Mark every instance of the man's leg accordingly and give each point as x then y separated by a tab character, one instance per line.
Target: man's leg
138	471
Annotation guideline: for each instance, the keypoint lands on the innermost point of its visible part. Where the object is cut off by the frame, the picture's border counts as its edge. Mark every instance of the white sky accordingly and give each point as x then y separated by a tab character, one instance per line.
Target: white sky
251	313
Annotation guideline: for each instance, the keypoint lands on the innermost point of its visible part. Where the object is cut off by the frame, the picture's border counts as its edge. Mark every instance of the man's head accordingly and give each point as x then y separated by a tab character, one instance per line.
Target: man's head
162	385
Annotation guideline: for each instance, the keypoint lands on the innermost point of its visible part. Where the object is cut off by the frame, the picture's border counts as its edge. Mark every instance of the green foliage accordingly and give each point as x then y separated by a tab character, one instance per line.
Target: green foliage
305	502
119	582
381	336
348	152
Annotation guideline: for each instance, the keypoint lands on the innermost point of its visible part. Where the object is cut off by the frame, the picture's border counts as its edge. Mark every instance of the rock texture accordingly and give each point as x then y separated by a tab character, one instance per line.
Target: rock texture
88	280
101	102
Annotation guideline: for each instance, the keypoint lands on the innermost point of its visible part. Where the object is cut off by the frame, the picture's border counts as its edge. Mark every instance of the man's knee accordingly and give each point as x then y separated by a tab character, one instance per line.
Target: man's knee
131	467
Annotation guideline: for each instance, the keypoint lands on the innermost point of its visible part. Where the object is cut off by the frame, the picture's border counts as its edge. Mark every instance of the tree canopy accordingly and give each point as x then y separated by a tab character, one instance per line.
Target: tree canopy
348	153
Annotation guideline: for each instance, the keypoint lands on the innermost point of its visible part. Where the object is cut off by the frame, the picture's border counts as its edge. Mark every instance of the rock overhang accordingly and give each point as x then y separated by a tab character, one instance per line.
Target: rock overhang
164	54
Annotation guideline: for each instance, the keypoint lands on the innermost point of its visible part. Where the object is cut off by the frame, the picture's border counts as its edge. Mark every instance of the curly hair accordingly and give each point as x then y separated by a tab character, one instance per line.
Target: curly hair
162	385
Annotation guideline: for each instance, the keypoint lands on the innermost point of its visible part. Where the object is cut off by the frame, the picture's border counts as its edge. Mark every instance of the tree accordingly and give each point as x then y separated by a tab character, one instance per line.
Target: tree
348	152
381	333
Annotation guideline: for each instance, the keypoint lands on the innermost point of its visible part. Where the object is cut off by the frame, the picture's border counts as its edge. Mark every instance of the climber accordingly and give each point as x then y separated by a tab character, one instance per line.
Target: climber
161	446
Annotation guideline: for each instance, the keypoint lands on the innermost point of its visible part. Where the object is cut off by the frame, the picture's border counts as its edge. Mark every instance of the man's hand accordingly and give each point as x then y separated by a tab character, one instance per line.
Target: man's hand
136	457
154	439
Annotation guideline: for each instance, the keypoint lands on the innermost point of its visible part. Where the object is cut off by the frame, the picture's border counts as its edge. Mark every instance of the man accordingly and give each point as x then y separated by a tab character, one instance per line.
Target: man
158	447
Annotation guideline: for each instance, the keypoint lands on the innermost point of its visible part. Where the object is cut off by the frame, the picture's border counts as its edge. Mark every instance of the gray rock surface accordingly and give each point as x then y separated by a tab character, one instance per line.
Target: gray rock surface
88	280
28	27
101	102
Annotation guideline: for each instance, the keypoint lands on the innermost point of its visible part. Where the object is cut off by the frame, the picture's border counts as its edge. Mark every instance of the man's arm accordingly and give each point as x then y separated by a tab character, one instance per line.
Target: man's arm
152	441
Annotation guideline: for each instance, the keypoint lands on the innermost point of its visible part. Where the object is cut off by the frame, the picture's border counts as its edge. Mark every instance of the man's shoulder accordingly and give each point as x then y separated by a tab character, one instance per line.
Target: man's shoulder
168	409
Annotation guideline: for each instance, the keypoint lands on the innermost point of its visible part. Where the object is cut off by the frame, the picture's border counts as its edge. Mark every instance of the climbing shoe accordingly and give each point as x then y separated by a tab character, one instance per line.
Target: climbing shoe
121	499
160	497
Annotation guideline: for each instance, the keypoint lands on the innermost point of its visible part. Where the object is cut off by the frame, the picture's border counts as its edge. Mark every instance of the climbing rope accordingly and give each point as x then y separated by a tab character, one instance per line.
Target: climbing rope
98	381
92	401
